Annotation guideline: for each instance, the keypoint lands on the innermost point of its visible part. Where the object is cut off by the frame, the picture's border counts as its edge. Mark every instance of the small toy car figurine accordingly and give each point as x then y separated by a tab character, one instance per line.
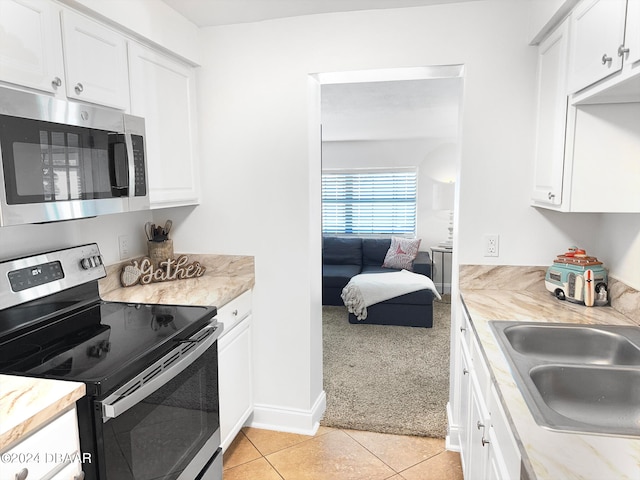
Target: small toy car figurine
576	277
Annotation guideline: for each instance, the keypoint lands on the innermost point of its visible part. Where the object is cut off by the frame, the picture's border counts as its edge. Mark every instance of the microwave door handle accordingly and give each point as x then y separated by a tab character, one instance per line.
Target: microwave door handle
115	405
120	167
130	164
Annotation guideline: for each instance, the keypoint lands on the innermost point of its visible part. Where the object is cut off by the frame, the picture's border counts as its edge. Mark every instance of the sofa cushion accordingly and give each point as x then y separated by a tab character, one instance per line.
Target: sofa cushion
401	253
341	251
374	250
338	275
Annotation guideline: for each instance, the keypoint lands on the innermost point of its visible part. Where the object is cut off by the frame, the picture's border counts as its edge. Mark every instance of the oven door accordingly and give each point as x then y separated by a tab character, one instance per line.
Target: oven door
164	424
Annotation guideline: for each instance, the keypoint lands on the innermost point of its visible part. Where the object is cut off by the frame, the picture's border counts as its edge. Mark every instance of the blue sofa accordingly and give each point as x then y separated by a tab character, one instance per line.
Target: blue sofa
344	257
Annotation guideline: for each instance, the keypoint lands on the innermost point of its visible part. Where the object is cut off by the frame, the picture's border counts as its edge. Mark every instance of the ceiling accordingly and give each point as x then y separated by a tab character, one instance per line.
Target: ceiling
205	13
407	109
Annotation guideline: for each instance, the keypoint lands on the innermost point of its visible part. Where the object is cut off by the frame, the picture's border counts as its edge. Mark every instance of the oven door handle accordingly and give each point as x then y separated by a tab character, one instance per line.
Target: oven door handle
159	373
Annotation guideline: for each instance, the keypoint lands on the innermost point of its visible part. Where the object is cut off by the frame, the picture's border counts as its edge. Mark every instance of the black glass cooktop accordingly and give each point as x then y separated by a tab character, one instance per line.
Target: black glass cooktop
102	343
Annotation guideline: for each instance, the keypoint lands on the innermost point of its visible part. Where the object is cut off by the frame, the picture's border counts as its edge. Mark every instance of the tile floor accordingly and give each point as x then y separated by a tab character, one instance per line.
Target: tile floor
335	454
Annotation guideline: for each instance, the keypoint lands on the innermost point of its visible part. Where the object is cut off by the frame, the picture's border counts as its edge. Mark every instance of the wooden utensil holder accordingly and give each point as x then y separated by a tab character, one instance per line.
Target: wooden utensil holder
160	251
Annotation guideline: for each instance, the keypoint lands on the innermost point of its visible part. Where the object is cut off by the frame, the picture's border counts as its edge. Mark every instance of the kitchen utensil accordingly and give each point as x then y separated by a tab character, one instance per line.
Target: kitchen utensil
149	230
167	227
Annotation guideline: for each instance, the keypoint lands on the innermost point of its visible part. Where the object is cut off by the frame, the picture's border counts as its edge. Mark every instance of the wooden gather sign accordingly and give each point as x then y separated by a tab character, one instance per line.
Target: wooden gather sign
142	271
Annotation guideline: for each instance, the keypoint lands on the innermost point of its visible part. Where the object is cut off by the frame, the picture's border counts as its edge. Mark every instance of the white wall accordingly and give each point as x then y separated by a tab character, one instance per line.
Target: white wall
254	111
25	240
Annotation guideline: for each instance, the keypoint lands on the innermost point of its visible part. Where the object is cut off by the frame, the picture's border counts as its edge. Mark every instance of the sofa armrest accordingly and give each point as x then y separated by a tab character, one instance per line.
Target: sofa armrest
422	264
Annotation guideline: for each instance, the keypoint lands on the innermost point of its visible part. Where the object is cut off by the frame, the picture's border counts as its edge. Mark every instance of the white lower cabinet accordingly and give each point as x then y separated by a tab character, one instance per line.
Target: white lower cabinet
235	367
50	453
487	447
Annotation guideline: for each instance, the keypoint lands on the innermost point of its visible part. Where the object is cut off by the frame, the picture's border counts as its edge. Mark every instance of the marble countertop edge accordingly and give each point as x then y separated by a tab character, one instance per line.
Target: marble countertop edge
27	404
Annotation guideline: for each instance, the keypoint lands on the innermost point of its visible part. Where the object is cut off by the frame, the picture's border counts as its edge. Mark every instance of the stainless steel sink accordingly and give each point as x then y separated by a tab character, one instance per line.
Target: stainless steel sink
573	343
576	378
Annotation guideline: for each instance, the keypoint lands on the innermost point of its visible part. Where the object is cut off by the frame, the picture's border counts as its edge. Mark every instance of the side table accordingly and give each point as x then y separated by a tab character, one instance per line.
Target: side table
442	251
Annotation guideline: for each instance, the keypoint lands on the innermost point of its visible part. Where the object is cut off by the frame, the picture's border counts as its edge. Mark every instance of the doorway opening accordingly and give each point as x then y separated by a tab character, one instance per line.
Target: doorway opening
396	120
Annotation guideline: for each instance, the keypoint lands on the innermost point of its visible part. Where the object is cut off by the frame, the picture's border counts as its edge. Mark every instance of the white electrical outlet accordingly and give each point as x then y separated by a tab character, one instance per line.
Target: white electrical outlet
123	246
491	245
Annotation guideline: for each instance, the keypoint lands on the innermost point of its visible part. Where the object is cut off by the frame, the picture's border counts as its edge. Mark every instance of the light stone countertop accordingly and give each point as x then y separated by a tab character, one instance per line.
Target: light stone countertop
26	404
518	293
225	278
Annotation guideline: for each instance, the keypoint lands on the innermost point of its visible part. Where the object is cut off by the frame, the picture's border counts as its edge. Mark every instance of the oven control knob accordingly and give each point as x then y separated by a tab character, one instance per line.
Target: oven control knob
86	263
97	260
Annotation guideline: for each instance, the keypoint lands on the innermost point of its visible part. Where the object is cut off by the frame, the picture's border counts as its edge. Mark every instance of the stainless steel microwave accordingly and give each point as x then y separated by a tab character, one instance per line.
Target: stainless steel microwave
62	160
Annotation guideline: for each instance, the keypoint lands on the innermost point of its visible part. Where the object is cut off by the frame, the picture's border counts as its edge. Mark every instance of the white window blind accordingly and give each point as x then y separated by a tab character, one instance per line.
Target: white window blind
369	202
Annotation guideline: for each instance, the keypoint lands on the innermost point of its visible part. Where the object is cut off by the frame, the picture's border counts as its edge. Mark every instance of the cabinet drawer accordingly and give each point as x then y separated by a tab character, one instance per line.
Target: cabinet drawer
45	450
234	311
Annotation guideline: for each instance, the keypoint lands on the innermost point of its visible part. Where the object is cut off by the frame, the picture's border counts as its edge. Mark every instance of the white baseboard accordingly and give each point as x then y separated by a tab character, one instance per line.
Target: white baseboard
291	420
452	440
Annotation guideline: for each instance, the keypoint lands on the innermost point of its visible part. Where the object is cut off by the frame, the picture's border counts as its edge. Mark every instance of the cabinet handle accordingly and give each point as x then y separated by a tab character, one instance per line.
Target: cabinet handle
22	474
463	329
606	59
56	82
622	50
79	88
465	371
551	196
235	313
483	440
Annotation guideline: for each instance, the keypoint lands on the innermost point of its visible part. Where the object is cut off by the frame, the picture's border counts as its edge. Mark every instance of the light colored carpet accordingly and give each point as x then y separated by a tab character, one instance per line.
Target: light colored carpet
386	379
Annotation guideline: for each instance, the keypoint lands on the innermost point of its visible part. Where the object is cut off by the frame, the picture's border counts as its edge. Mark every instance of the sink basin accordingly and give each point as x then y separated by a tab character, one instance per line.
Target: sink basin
602	398
576	378
573	344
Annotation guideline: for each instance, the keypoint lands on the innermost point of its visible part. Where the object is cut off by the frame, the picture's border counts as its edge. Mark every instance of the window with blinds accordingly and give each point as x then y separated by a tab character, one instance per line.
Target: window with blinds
369	202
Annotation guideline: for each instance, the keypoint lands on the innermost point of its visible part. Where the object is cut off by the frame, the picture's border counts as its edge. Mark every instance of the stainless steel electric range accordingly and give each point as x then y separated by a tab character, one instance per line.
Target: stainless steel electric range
151	371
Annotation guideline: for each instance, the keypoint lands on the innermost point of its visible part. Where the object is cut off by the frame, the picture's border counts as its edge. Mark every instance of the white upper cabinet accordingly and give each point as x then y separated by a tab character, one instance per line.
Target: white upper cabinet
632	33
30	45
552	117
597	32
163	92
95	59
58	51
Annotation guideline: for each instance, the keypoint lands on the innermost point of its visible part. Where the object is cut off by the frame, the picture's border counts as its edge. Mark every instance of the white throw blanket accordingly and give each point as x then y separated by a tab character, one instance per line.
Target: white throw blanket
366	289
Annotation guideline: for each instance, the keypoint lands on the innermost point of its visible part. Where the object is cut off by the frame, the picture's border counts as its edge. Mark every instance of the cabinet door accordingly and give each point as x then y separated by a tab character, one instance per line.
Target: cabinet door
597	30
552	118
236	399
73	471
632	32
30	45
95	60
163	92
464	374
479	446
